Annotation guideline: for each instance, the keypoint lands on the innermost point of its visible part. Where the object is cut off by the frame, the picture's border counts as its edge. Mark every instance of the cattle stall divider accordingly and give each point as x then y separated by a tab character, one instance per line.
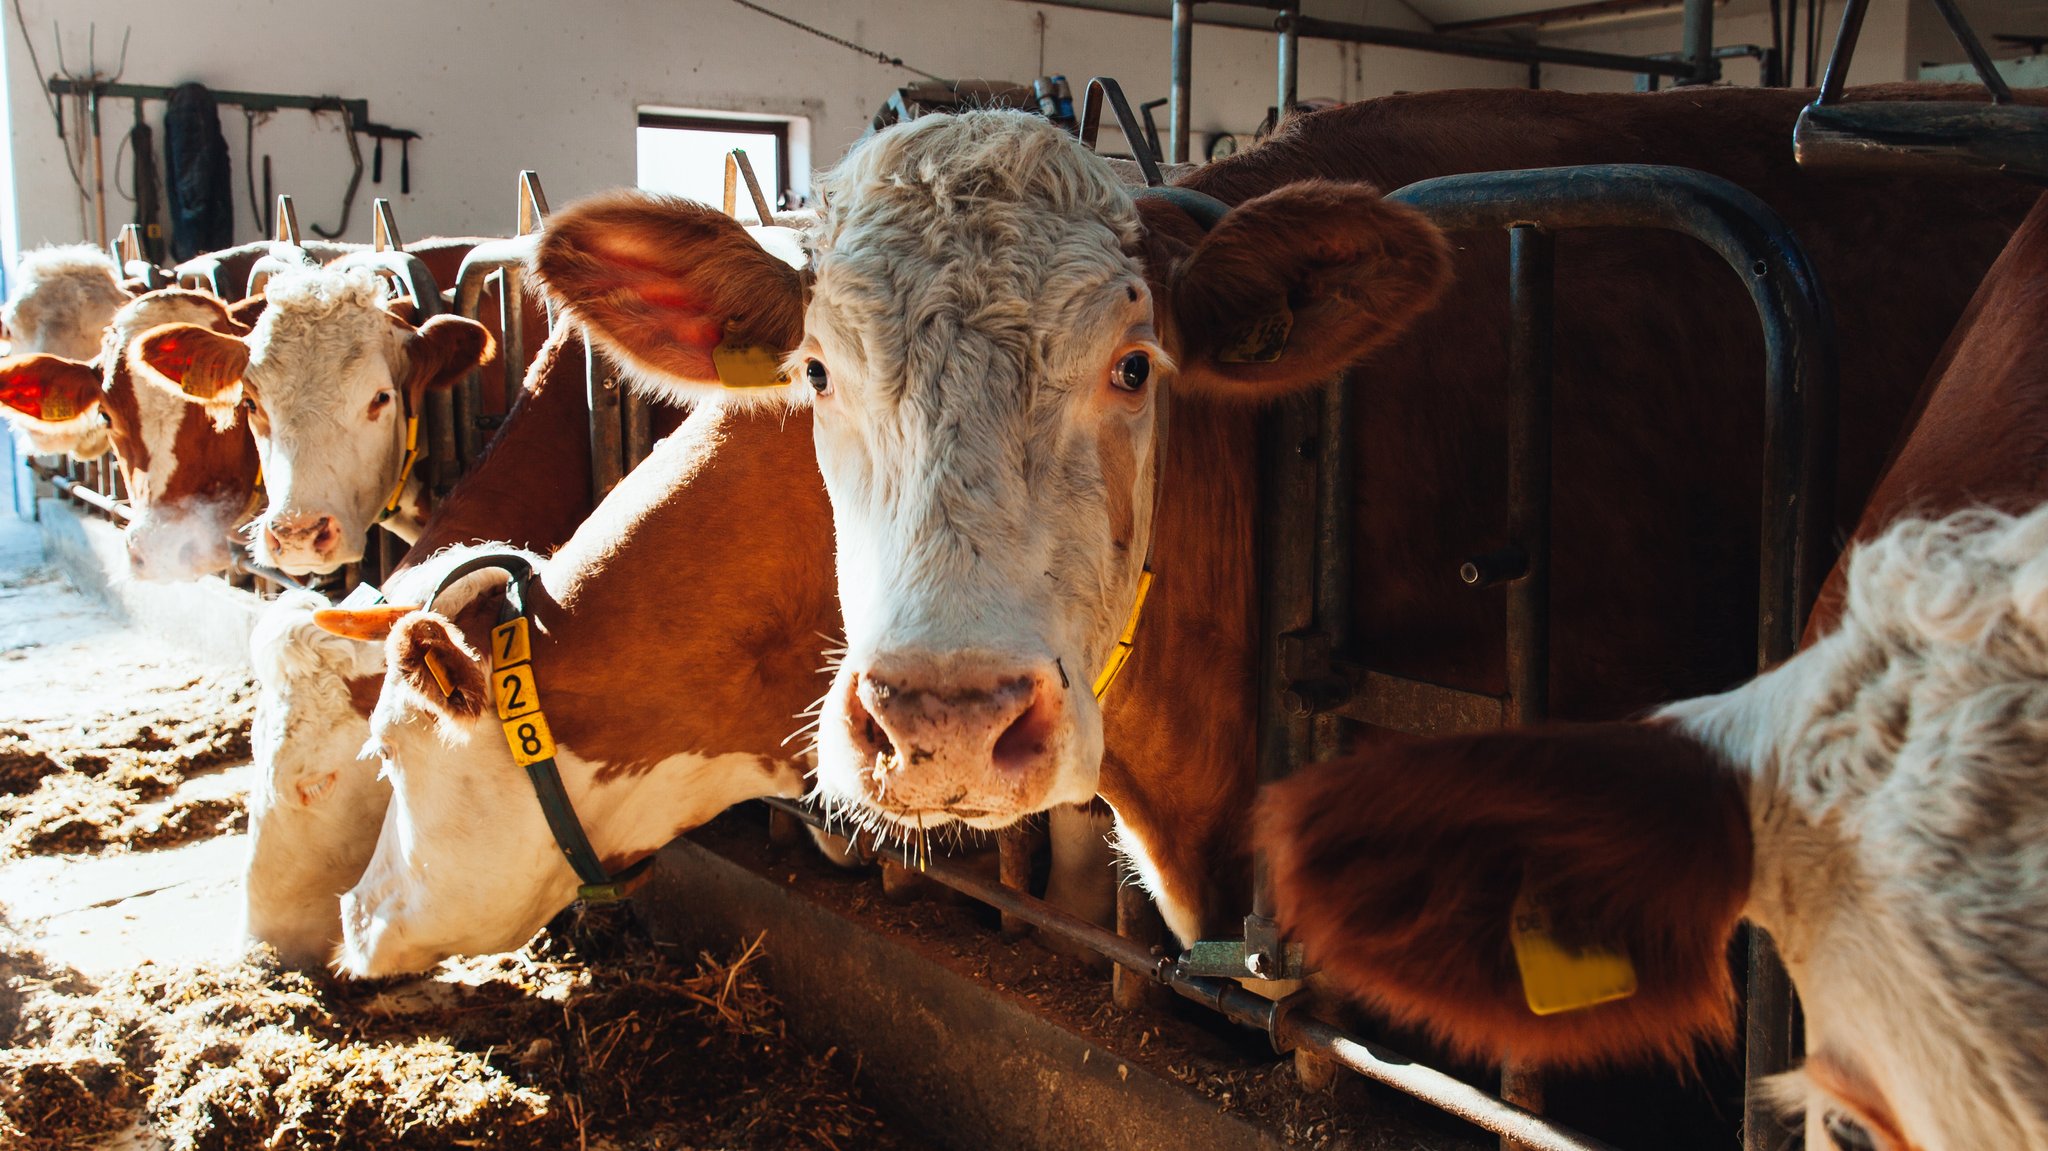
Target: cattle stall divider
1313	682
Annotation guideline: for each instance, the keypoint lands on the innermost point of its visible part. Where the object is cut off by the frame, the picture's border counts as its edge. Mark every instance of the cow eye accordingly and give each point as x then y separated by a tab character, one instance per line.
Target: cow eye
1849	1135
1131	372
378	401
814	371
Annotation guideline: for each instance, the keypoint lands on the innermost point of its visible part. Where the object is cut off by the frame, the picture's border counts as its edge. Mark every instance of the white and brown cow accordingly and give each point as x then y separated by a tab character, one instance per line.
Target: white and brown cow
64	297
329	379
191	477
993	328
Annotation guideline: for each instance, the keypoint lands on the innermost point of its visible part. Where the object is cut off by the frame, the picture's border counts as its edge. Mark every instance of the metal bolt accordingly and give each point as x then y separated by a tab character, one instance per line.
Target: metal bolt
1295	704
1259	964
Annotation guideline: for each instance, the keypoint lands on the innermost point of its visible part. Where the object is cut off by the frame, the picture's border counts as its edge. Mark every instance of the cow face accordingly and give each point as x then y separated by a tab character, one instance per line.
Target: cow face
315	807
327	378
64	299
991	331
1879	804
190	481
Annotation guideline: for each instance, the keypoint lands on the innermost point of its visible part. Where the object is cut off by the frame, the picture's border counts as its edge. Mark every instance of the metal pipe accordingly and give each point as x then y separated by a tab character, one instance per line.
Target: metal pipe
2001	93
1698	45
83	493
1435	1088
1320	29
99	164
1177	113
1837	76
1532	332
1290	65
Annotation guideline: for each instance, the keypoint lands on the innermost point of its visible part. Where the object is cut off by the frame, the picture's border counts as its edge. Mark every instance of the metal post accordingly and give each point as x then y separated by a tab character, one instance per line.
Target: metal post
1183	65
1138	921
605	459
99	165
1290	65
1698	48
285	228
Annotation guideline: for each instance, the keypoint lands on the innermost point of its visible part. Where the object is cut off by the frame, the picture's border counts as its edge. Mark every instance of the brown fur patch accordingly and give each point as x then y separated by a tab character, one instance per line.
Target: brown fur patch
663	281
363	691
443	351
199	362
1399	870
1353	269
424	634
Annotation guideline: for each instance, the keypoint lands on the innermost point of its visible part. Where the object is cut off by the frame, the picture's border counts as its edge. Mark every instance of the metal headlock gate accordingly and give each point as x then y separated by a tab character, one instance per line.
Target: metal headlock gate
1313	679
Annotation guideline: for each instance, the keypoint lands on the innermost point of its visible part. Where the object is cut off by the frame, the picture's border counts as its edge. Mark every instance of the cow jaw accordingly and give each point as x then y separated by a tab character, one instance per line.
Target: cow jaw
992	491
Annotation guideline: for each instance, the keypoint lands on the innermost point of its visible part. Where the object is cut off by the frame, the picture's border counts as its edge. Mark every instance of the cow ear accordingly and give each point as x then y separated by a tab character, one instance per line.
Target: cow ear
48	389
444	350
248	310
196	362
431	659
1403	873
404	307
1291	288
677	291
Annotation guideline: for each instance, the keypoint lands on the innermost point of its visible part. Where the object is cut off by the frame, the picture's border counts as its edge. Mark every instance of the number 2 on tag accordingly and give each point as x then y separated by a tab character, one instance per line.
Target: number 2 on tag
516	692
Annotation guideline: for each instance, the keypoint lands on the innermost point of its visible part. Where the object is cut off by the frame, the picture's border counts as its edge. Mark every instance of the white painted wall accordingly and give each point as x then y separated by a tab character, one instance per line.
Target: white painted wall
499	85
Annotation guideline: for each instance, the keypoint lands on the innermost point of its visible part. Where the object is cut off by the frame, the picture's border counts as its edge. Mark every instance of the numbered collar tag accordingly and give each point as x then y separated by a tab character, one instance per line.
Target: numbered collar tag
1556	980
748	367
518	696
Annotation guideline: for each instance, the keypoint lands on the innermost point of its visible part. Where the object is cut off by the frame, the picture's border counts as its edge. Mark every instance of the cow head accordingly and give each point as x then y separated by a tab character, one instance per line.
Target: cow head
64	298
314	808
988	337
327	378
1879	804
190	481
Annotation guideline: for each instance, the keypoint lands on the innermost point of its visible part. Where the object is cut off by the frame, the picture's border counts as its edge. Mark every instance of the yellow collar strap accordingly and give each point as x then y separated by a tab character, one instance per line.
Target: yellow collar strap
412	457
1121	653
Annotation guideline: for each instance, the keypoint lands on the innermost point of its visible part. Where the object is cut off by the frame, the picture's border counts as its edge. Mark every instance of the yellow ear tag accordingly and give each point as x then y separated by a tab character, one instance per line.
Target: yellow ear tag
57	409
439	673
1261	341
750	367
1555	980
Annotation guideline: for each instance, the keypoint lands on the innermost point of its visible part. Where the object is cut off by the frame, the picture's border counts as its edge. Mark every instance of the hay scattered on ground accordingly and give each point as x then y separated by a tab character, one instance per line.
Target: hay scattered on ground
83	783
537	1049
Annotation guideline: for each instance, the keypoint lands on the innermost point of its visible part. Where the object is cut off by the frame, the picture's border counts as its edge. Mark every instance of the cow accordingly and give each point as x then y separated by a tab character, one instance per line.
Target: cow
333	384
315	807
1869	803
64	297
191	477
992	326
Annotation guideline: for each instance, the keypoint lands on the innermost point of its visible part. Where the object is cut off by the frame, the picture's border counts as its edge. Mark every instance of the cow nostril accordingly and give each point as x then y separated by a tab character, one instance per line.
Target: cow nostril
1024	744
275	544
867	733
327	535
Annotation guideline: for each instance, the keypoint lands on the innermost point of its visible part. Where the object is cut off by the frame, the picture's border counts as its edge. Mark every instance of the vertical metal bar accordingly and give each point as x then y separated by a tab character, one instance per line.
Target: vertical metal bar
1698	47
444	458
1845	51
1289	64
1767	1043
639	441
383	229
285	229
1178	113
1014	849
512	322
1335	529
99	166
605	461
1532	324
1532	330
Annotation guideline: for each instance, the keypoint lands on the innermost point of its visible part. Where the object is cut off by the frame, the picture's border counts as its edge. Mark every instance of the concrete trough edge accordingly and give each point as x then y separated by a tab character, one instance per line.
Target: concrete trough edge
973	1066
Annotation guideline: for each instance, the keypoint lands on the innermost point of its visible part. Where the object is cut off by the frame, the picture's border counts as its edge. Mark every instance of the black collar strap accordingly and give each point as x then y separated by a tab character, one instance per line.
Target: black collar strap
526	728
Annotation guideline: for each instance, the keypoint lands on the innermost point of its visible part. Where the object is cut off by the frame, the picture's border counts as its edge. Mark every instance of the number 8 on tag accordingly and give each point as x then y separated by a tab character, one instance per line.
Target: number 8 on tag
529	739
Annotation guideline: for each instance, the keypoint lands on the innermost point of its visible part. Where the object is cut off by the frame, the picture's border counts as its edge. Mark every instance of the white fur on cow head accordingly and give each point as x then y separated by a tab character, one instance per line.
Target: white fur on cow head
64	297
991	329
1899	802
314	806
327	377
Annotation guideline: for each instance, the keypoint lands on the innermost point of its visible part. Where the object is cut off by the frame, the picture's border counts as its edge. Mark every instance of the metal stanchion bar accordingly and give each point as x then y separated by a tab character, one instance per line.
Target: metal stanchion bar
1316	28
1178	113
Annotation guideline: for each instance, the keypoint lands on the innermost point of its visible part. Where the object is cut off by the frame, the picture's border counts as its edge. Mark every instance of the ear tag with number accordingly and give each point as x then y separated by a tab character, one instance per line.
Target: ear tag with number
748	367
1556	980
1261	341
440	674
57	407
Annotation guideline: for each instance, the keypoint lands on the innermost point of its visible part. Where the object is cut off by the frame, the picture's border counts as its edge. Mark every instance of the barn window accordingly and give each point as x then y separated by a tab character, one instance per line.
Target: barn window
684	154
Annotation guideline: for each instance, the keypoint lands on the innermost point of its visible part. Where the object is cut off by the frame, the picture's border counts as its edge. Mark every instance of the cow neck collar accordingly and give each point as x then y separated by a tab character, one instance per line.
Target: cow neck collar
1207	211
516	694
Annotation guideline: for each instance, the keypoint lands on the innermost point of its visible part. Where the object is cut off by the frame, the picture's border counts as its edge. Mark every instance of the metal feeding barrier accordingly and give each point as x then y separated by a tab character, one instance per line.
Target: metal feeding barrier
1314	680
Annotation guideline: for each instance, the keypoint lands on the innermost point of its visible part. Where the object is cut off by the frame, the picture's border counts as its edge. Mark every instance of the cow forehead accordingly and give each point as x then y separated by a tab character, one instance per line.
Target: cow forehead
992	225
318	328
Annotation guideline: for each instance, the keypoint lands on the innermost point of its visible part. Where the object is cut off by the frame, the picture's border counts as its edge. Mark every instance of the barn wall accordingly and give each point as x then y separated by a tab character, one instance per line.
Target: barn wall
497	85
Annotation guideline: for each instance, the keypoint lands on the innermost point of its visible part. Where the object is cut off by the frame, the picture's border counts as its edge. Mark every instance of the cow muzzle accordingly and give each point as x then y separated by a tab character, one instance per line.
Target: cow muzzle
979	740
302	543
